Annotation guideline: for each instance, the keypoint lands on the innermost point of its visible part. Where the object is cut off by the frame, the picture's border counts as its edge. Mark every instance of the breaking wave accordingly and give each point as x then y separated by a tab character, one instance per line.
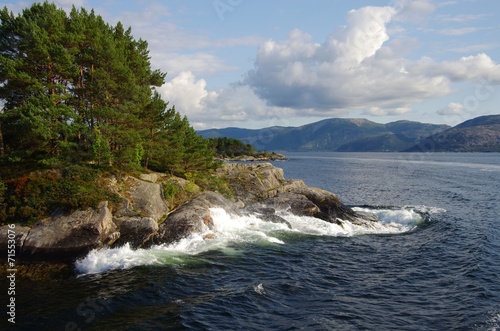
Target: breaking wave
230	230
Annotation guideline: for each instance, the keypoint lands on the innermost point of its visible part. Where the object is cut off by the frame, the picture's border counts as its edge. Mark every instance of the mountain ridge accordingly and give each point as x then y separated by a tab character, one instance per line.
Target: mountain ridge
334	134
480	134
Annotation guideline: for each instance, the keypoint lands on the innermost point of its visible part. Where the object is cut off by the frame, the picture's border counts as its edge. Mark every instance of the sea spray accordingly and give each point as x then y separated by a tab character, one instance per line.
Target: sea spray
231	230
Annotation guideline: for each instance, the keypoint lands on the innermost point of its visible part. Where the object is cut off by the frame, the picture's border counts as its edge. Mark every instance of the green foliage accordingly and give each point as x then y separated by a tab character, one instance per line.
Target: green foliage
73	87
36	195
170	189
231	147
100	148
210	182
177	194
76	91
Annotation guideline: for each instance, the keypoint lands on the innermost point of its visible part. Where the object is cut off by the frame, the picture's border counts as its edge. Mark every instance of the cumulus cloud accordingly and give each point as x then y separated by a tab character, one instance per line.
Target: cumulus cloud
186	93
359	69
453	109
234	105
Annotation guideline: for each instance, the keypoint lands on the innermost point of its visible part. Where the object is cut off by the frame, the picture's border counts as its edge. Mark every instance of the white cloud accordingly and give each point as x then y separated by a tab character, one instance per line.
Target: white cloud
361	69
472	48
413	10
186	93
200	64
453	109
235	105
468	68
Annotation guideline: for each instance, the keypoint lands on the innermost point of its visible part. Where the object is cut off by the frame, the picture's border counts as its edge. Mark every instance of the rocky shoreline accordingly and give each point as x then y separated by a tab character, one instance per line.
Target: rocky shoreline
255	158
144	218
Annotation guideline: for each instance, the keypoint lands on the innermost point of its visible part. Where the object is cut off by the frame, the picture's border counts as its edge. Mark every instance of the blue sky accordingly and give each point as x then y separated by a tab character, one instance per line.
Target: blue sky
255	63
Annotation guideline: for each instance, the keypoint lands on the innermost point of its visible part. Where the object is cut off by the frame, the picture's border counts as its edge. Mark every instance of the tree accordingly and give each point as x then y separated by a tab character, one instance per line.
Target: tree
62	76
78	95
35	75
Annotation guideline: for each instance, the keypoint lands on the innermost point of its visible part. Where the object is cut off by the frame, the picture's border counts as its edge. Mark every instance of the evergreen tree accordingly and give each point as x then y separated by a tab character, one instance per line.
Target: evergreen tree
35	74
75	89
77	93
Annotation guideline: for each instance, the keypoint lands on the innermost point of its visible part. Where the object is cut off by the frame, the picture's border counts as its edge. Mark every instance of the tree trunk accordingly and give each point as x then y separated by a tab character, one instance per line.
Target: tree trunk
2	151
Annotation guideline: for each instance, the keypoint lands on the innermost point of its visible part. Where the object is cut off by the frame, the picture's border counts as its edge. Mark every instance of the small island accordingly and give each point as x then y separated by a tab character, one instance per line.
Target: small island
232	149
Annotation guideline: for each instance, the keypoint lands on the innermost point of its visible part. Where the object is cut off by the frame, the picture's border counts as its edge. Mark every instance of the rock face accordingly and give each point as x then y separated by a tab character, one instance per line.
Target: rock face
65	238
314	202
265	184
135	230
140	210
142	198
192	217
255	182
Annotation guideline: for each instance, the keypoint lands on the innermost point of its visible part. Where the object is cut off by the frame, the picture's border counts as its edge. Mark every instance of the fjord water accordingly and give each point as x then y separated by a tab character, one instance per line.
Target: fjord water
432	264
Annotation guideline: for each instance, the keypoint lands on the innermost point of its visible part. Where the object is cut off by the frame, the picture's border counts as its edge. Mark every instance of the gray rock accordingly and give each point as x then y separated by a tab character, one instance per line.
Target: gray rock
255	182
328	203
142	199
152	177
20	233
135	230
192	217
66	238
275	219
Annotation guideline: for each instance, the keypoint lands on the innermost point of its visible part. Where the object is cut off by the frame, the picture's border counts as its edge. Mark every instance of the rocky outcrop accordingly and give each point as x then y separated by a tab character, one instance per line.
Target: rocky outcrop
135	230
256	182
266	185
191	218
66	237
142	217
142	199
314	202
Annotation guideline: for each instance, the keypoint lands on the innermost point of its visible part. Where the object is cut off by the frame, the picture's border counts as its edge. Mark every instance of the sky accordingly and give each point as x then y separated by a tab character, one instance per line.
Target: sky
256	63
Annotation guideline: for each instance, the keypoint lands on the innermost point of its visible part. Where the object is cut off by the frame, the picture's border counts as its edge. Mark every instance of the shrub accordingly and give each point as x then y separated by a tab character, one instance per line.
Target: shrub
36	195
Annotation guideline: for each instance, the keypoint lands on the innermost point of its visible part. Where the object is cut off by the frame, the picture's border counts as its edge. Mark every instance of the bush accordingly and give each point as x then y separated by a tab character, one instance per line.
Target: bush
35	196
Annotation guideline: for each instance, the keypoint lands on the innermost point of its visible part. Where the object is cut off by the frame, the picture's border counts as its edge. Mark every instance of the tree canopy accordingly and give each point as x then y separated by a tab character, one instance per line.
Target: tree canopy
75	90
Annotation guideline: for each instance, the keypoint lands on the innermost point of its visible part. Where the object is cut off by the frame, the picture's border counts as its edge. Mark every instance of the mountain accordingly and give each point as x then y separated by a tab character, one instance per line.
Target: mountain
480	134
335	134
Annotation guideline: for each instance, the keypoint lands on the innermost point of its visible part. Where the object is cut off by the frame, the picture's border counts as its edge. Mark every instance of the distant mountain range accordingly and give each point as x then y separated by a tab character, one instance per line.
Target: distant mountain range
480	134
361	135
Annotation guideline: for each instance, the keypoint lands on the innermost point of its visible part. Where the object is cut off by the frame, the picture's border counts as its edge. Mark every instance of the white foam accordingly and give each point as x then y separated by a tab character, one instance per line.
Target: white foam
259	289
230	229
405	219
494	323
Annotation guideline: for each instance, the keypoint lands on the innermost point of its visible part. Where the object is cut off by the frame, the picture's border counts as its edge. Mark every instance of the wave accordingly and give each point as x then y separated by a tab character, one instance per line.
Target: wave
230	230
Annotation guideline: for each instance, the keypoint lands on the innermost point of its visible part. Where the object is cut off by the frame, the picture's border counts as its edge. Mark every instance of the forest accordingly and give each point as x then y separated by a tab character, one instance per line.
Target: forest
78	101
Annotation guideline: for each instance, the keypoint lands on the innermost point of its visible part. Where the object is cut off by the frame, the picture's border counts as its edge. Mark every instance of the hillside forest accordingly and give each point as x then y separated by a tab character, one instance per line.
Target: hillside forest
79	102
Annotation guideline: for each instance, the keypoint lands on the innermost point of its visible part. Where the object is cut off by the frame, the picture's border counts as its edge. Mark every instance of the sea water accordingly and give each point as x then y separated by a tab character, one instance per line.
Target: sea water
431	263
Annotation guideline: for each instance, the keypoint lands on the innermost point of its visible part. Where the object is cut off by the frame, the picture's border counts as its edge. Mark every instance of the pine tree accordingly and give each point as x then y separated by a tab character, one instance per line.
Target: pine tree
75	89
36	71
